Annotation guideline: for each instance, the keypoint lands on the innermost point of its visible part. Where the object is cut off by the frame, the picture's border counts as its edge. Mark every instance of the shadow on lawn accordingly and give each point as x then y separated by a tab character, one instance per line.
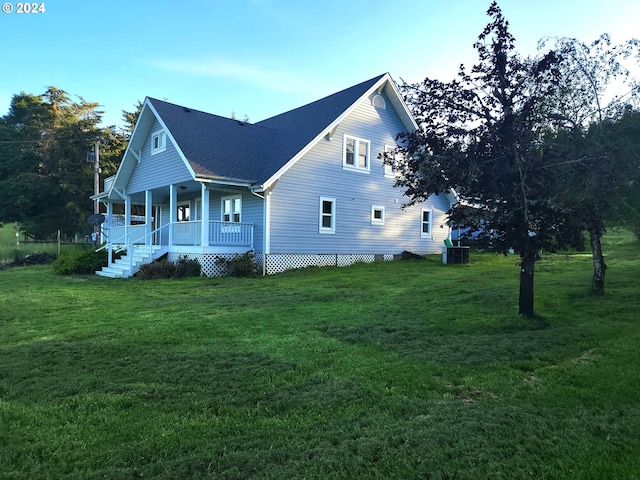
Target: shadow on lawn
52	371
535	341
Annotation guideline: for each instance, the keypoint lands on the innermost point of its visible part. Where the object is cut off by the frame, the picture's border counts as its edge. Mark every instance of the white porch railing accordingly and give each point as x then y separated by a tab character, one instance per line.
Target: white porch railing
224	234
231	234
120	235
187	233
133	235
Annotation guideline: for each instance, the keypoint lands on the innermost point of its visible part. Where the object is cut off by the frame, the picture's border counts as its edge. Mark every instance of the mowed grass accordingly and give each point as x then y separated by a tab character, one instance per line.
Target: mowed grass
406	370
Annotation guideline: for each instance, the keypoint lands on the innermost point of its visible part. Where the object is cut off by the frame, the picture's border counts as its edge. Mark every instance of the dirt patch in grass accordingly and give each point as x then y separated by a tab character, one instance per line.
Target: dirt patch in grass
34	259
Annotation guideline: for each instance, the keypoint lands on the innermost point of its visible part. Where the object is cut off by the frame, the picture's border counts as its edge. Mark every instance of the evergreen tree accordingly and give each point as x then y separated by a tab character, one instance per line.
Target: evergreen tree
45	178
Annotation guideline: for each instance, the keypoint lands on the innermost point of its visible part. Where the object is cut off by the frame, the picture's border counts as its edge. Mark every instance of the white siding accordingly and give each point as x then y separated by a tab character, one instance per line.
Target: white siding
295	198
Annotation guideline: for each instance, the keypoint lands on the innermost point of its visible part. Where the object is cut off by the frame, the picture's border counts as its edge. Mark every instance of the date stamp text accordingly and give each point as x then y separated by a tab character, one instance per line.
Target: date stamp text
29	8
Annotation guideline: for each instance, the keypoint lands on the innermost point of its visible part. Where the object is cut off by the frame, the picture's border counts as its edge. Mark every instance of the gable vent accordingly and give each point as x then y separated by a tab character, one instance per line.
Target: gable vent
378	102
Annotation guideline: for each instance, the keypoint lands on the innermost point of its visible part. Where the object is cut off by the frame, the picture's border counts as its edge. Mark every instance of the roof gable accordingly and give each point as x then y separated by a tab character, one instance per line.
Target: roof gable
308	124
219	149
147	118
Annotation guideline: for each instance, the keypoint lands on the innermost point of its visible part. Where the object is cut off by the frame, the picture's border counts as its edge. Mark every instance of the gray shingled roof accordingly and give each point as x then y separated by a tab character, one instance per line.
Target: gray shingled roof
225	149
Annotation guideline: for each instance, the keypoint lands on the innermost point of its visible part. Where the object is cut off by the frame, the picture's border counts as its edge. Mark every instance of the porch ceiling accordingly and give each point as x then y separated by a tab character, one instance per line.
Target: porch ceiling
160	195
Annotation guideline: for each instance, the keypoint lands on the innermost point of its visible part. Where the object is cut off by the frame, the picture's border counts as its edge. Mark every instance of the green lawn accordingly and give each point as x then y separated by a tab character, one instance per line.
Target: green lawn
407	370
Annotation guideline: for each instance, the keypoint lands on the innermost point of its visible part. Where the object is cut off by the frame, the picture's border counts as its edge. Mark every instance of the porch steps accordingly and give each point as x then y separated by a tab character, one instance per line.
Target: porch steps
141	254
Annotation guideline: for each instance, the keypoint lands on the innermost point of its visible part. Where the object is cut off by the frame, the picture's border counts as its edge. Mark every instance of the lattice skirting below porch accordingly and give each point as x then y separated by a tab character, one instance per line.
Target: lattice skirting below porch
281	262
209	263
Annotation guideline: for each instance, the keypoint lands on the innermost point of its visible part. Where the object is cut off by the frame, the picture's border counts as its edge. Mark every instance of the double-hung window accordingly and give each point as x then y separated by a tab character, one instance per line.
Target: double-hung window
356	154
391	169
425	223
232	209
327	220
158	142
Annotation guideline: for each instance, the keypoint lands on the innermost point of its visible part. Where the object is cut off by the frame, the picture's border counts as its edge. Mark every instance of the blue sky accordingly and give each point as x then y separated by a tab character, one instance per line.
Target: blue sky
263	57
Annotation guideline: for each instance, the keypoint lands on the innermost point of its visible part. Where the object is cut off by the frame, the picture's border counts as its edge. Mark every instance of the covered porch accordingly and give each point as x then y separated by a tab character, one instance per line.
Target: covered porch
176	215
175	220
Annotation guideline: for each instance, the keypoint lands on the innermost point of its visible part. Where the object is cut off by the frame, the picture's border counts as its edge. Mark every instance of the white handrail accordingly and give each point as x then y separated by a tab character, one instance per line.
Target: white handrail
220	234
128	244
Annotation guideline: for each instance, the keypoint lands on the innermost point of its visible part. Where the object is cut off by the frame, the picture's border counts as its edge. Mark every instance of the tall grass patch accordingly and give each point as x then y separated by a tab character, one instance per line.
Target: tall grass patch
15	248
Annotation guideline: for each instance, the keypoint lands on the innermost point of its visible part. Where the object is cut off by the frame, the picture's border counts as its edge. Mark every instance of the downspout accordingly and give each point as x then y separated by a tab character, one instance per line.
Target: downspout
204	216
127	230
265	222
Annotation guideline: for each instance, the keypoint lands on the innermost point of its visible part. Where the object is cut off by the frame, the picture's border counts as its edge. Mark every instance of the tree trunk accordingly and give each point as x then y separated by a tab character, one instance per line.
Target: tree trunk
527	266
599	267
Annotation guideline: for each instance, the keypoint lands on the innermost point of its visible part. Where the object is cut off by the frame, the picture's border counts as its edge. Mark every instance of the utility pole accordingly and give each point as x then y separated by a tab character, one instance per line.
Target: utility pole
96	175
95	158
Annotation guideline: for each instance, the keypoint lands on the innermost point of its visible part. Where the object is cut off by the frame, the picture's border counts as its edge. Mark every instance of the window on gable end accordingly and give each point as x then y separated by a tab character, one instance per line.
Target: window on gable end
158	142
391	170
356	154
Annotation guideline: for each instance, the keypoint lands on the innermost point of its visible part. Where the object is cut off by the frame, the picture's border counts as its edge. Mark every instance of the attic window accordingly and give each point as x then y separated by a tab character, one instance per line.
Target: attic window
378	102
356	154
158	142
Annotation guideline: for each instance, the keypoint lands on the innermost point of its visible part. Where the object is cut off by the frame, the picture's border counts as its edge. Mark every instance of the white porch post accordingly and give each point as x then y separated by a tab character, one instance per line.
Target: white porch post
204	217
107	227
127	217
148	216
127	228
109	210
173	210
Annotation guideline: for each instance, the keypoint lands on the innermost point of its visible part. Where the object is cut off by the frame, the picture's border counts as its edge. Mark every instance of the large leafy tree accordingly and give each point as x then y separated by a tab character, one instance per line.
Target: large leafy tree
45	179
599	165
595	133
482	134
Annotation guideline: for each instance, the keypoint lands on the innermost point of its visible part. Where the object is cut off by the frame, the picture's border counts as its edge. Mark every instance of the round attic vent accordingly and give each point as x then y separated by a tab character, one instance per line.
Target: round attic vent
378	102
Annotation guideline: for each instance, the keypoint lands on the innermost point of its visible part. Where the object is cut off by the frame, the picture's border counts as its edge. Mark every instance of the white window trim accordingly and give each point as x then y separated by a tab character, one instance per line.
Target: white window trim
231	198
378	221
322	229
391	171
161	148
356	153
378	101
429	233
197	210
182	205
